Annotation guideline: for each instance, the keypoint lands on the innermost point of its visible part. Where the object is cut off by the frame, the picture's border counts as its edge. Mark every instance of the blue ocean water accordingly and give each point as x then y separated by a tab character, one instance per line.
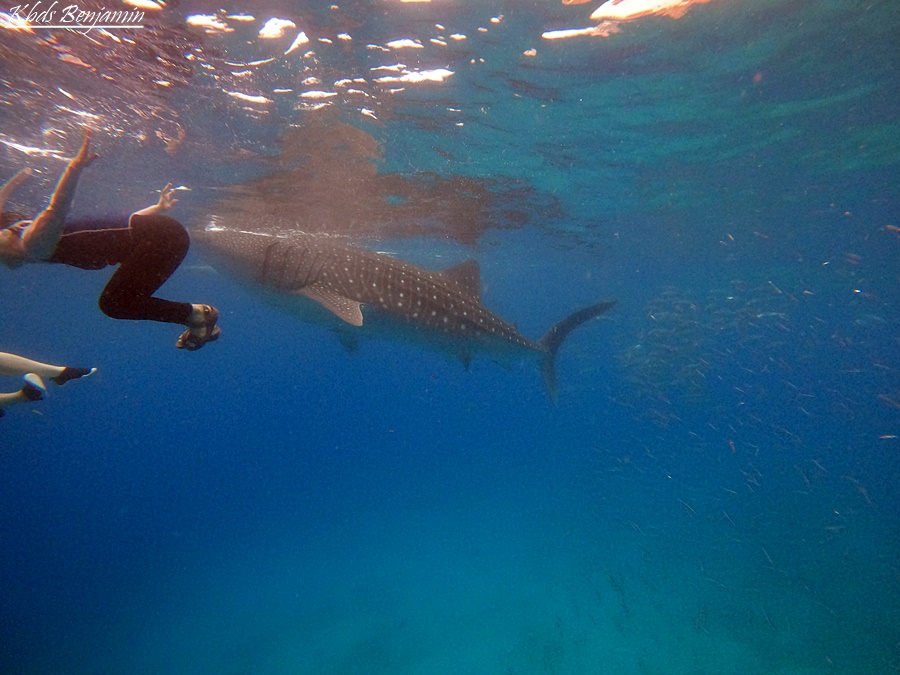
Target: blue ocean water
716	489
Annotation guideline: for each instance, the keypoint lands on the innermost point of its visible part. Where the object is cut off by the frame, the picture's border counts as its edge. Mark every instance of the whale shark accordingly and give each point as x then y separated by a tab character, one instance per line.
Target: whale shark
335	281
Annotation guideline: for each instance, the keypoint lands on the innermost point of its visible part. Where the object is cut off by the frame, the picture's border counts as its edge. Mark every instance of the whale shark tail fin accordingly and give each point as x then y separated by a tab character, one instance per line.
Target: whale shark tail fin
558	332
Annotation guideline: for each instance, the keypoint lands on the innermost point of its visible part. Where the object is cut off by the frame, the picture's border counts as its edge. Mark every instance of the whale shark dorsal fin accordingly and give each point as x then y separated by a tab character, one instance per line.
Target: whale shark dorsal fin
344	308
468	275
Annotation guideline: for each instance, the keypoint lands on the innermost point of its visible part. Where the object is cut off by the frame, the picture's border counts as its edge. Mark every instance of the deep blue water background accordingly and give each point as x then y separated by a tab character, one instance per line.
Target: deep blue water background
716	491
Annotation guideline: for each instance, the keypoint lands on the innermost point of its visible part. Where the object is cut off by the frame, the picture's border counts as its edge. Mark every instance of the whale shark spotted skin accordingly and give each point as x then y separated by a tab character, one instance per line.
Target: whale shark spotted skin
345	280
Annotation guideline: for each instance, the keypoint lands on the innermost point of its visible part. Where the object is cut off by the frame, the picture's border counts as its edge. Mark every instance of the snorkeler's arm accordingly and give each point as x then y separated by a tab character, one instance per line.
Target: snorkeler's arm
12	253
39	239
166	202
11	250
12	185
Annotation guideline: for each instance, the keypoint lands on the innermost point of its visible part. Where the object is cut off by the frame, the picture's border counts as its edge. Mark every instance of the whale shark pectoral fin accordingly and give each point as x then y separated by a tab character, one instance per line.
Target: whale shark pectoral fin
344	308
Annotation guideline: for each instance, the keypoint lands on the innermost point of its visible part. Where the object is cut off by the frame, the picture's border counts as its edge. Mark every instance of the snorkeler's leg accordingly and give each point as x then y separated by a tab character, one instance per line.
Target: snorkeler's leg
158	244
148	253
13	364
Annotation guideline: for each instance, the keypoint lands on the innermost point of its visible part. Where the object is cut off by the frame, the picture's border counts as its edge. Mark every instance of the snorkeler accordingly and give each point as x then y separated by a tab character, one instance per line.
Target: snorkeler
147	246
33	388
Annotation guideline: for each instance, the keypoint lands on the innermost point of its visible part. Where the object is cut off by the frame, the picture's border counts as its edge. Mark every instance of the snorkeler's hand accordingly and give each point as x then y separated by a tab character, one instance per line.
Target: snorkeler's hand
166	202
166	198
84	156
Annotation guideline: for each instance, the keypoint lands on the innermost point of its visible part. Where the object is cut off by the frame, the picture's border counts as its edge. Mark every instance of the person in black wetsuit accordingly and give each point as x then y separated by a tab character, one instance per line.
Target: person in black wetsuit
148	247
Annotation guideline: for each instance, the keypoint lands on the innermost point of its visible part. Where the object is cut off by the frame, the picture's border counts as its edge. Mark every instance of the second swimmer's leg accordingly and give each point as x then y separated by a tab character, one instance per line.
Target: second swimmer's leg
32	390
13	364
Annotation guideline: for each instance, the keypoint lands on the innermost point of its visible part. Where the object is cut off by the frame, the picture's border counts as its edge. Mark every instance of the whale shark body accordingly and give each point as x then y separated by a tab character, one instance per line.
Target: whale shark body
369	292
